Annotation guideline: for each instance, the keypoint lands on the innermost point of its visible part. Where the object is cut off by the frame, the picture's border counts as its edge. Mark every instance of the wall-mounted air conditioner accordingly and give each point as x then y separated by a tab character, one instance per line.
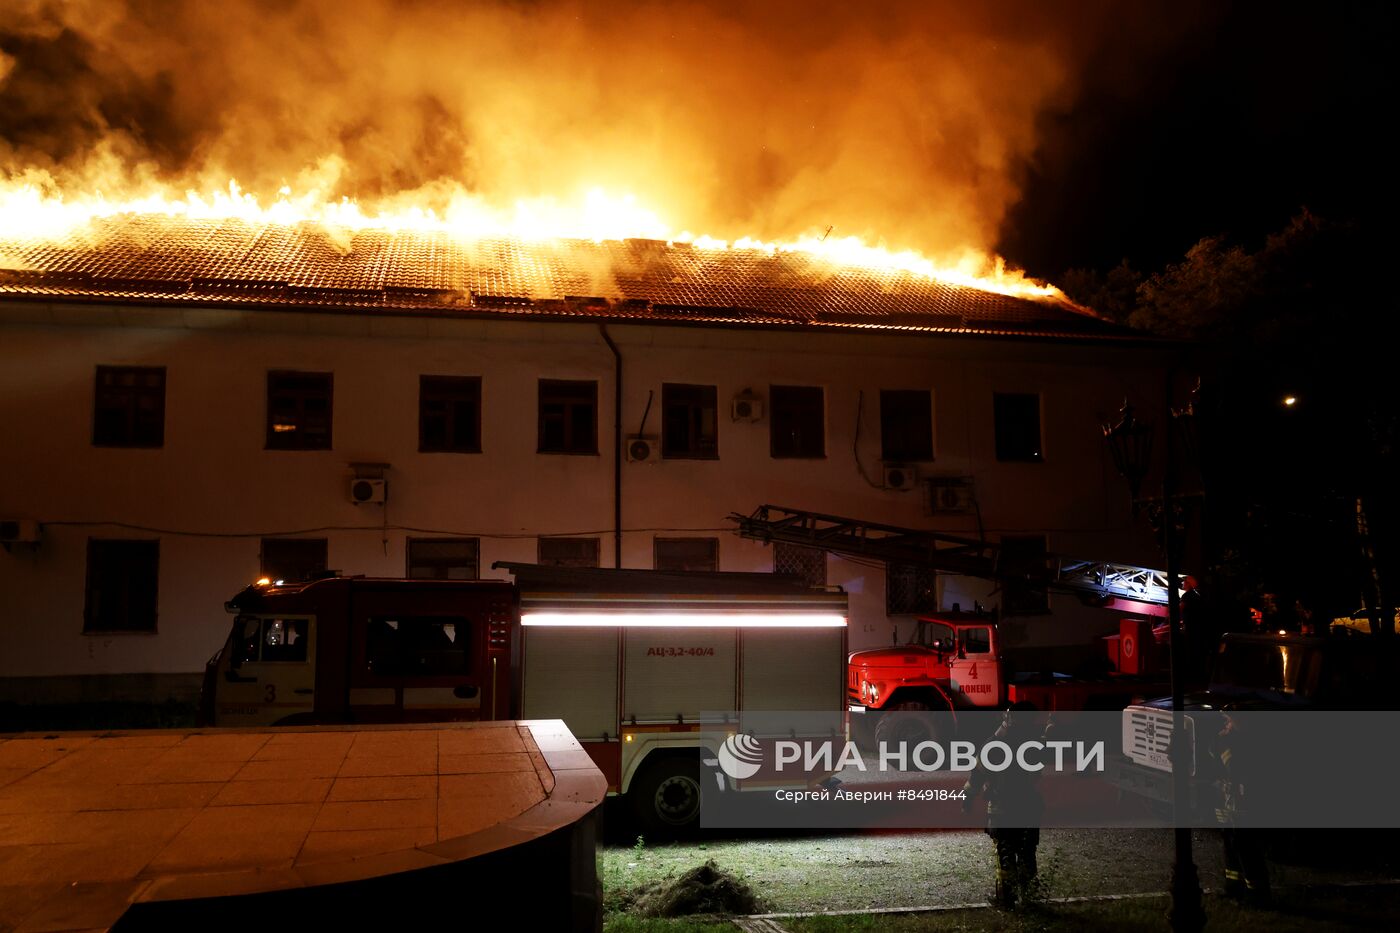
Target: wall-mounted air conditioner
19	531
746	406
950	494
642	449
900	476
368	491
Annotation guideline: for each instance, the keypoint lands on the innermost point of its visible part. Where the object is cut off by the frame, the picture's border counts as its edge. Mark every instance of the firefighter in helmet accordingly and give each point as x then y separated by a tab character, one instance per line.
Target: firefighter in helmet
1246	871
1014	807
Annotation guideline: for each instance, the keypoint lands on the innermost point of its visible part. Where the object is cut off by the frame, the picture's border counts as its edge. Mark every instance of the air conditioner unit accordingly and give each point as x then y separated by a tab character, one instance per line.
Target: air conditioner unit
642	449
950	494
19	531
900	476
368	491
746	406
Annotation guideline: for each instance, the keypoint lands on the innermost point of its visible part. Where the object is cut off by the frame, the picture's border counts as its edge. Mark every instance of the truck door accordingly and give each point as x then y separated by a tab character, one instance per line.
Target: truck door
271	674
974	672
421	656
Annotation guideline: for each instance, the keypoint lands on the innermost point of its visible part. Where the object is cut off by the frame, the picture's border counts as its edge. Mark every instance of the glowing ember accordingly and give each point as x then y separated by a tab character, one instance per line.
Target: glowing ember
32	211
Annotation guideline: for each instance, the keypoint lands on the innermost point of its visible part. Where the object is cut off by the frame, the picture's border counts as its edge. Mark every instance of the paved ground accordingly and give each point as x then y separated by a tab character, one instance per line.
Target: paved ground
91	822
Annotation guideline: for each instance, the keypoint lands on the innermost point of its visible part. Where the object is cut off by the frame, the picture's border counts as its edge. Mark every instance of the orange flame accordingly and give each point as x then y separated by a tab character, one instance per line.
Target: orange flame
32	210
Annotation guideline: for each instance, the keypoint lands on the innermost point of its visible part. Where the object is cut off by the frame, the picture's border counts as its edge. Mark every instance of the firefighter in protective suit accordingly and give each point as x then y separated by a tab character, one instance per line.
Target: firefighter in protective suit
1014	807
1246	871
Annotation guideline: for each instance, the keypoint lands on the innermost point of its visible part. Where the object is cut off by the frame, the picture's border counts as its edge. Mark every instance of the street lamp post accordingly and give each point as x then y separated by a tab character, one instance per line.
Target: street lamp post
1130	442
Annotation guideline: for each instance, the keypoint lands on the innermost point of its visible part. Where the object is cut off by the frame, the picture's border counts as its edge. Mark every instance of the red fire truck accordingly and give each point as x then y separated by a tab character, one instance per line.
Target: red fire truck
955	660
651	671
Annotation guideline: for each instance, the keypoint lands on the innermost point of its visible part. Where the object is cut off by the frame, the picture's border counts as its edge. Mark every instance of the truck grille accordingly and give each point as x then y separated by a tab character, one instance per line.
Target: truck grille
1147	735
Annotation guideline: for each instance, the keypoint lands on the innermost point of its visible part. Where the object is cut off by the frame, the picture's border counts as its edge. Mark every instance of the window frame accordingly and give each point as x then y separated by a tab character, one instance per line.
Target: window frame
674	400
802	449
658	542
265	571
596	544
906	453
913	607
784	553
570	445
129	398
272	440
1000	449
1021	598
436	388
443	562
94	547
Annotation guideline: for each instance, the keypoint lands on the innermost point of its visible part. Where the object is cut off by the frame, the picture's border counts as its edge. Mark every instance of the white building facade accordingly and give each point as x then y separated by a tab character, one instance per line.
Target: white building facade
170	455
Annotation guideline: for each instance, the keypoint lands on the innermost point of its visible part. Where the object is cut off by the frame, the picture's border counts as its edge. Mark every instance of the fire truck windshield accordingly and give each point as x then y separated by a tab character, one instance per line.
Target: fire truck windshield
934	635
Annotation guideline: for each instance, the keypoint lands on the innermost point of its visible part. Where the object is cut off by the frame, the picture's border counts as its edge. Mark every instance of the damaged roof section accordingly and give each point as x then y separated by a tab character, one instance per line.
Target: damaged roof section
161	260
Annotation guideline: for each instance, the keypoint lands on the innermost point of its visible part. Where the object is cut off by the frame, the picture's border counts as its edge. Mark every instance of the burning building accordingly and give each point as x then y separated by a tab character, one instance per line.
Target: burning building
193	403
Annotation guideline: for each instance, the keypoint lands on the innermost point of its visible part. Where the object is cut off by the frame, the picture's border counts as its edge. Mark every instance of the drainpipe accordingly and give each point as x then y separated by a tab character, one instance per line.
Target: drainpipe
617	445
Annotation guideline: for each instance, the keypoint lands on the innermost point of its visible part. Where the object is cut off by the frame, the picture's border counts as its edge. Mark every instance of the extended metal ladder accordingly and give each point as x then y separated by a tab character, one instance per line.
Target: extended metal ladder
1096	581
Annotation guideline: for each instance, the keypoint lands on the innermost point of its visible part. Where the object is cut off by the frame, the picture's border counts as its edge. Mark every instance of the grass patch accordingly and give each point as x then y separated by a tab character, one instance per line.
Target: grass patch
628	924
1302	911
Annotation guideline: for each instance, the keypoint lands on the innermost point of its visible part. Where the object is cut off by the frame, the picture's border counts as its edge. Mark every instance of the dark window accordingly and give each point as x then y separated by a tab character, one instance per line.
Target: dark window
695	554
449	414
689	427
272	639
569	552
298	411
129	406
294	560
797	423
568	417
906	425
910	589
808	564
1024	557
122	578
405	646
1017	427
976	640
443	558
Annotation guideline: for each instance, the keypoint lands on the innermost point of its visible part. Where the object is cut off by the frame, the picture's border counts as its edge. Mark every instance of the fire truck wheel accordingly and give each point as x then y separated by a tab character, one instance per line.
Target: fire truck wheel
892	730
666	796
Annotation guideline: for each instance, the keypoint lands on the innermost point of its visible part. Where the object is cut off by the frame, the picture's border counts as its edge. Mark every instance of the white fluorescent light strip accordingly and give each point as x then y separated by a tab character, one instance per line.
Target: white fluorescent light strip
684	620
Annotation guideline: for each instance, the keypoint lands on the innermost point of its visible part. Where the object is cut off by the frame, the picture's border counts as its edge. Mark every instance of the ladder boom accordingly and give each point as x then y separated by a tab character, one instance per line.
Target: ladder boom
947	553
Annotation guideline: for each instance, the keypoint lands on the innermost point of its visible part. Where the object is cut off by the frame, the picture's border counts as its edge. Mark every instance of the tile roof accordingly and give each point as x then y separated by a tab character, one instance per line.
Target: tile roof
159	260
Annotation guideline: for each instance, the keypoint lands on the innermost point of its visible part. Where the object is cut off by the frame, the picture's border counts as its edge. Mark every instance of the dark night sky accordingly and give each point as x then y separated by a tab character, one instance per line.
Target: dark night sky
1258	111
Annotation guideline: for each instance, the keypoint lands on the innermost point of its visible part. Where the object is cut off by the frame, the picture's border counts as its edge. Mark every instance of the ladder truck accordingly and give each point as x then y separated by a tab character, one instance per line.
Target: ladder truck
954	660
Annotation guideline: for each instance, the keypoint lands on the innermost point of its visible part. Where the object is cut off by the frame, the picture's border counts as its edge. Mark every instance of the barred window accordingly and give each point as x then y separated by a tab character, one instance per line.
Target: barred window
687	554
808	564
1024	556
910	589
294	560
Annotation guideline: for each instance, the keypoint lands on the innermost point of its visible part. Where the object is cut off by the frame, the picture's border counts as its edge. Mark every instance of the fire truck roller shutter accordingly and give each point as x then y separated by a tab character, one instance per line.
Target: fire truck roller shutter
793	669
571	674
678	673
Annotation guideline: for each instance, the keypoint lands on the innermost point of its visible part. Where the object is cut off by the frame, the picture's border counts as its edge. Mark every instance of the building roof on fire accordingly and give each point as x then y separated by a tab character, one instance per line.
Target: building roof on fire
160	260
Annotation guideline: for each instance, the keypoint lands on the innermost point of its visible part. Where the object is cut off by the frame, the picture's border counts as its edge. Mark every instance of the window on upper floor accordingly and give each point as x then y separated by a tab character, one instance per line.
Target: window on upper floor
122	583
1017	418
294	560
568	552
298	410
906	425
444	558
808	564
568	417
797	421
687	554
449	414
689	422
129	406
